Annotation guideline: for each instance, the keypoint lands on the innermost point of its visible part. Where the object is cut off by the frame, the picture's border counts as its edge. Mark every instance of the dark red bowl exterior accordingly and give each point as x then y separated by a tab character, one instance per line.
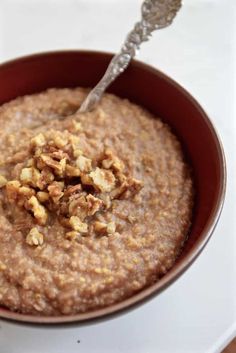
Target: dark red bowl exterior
162	96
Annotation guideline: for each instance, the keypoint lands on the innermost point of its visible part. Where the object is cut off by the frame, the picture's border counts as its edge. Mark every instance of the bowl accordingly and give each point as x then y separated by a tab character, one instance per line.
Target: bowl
163	97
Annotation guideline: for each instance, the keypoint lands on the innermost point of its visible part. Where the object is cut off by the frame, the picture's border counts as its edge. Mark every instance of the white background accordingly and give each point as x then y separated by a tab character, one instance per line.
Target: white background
197	314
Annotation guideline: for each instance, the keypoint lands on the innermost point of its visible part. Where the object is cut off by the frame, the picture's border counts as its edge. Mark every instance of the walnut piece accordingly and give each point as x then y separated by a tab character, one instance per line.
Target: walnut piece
30	176
93	204
12	190
77	225
58	167
34	237
113	162
42	196
55	190
38	210
60	140
103	180
72	171
84	164
38	141
101	227
127	189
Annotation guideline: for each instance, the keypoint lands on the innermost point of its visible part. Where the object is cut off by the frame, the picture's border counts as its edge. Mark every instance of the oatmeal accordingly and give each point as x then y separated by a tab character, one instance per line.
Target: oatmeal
93	207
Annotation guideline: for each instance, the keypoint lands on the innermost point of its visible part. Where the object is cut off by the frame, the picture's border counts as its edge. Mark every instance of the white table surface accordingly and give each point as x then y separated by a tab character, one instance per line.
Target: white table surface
197	314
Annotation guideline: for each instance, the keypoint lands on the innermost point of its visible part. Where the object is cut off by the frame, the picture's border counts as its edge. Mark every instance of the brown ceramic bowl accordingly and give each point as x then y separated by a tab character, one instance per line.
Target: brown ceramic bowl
162	96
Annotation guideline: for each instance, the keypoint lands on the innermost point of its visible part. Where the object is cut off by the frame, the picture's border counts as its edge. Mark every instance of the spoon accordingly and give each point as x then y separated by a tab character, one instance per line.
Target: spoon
156	14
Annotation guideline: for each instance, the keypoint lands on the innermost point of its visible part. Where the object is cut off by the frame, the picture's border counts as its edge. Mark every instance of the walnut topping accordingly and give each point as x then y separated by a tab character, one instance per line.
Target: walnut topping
12	190
60	141
93	204
59	182
84	164
101	227
58	167
26	191
76	224
55	190
72	171
47	177
38	210
127	189
30	176
111	161
34	237
38	141
103	180
42	196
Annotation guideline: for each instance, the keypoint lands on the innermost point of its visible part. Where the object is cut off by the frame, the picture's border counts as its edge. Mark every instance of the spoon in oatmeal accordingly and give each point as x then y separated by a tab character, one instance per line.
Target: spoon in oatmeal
155	14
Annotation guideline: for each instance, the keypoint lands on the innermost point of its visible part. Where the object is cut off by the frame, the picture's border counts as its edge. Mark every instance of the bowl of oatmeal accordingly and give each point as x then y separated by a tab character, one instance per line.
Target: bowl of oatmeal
99	211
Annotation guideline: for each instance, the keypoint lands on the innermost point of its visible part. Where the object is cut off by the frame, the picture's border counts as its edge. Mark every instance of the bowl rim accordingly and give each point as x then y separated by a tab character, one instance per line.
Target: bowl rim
178	269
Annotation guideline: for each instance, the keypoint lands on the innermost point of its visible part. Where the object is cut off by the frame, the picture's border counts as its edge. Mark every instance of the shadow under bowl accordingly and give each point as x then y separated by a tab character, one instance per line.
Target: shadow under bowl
163	97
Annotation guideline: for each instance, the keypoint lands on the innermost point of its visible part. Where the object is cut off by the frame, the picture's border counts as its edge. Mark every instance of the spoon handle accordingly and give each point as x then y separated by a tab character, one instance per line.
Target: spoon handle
156	14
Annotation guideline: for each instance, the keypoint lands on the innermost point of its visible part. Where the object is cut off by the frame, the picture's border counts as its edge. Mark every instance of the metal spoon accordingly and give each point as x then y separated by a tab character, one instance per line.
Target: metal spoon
156	14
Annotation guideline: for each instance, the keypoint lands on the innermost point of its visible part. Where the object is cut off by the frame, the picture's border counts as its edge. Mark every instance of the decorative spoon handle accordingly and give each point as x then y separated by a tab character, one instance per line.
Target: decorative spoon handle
156	14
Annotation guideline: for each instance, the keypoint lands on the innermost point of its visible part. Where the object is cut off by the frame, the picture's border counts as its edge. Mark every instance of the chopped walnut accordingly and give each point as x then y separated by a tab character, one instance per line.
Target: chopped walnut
38	210
86	179
46	178
12	190
103	180
30	176
134	186
111	161
84	164
70	190
76	151
78	207
25	193
59	155
42	196
34	237
93	204
60	141
74	141
106	200
55	190
76	224
72	171
58	178
58	167
3	181
38	141
127	189
101	227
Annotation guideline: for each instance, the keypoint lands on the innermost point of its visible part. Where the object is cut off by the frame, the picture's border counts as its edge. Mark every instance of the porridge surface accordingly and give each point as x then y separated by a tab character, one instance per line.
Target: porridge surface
93	207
